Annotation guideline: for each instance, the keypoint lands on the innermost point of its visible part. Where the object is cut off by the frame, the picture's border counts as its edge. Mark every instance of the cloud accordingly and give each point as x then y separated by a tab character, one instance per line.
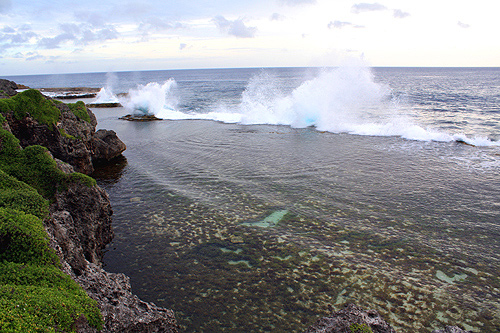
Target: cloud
5	5
80	34
398	13
92	18
235	28
296	2
277	17
31	56
11	37
338	24
463	25
367	7
54	42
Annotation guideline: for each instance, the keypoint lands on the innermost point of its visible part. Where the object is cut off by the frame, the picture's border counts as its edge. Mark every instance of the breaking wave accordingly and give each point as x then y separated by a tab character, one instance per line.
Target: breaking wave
340	100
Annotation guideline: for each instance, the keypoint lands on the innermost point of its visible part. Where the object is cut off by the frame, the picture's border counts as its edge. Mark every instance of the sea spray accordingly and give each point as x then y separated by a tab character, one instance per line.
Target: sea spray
152	99
106	94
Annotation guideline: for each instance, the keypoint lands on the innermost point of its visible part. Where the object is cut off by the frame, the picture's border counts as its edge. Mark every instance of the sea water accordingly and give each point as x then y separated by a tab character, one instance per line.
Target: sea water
267	195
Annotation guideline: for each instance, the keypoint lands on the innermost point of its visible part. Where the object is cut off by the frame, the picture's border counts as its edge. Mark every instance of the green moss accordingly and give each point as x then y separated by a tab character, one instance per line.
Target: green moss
25	308
360	328
31	102
35	295
81	178
79	110
2	119
32	165
20	196
23	239
66	135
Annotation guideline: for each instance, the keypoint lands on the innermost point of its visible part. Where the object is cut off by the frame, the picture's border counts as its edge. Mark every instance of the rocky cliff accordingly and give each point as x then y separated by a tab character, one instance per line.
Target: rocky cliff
79	219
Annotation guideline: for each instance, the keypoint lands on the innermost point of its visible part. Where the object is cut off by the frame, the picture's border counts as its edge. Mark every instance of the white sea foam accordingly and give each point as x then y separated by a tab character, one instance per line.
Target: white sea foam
340	100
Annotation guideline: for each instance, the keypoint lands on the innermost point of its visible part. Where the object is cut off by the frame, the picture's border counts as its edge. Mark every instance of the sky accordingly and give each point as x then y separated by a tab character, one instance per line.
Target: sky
60	36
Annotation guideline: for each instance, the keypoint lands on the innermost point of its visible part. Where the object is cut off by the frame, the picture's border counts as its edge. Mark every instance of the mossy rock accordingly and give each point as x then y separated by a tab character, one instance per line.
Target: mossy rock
23	239
79	110
31	102
32	165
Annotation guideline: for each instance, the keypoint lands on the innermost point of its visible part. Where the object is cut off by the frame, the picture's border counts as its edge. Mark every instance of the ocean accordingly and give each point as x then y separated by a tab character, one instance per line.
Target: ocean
266	198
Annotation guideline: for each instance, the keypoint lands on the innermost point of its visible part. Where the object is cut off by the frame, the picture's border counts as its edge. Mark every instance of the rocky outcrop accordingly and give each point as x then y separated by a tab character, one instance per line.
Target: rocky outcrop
79	228
351	319
106	145
7	88
79	224
71	139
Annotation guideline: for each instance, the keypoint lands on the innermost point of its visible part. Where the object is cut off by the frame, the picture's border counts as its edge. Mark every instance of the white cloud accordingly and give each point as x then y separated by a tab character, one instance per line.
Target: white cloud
338	24
398	13
367	7
463	25
235	28
277	17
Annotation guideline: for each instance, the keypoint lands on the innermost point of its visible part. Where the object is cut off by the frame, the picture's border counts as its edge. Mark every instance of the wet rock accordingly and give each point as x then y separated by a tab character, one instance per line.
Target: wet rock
131	117
351	319
7	88
106	145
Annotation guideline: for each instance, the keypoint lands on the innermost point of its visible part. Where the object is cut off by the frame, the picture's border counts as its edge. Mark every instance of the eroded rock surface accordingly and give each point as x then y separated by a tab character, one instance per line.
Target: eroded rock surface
351	319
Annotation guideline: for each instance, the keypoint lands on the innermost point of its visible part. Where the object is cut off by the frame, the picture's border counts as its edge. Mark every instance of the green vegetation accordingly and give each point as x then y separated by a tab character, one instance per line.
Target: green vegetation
35	295
360	328
80	110
66	135
31	102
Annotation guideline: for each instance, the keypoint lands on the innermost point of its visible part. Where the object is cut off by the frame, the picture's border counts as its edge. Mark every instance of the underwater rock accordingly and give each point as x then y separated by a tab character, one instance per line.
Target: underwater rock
351	319
106	145
451	329
131	117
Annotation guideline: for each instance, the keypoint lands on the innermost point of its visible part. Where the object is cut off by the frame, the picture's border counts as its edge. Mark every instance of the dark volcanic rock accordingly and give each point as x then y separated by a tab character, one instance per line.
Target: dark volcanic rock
73	140
7	88
131	117
79	228
351	319
90	218
106	145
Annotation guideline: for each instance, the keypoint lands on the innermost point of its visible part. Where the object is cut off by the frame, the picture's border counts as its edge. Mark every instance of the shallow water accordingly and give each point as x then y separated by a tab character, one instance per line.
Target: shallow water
409	228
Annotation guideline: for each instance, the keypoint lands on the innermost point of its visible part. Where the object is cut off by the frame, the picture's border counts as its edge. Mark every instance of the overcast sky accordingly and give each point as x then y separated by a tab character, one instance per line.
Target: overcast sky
60	36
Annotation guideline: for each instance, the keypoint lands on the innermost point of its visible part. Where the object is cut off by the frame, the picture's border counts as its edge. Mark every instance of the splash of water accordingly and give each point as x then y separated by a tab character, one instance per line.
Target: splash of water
106	94
341	100
153	99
